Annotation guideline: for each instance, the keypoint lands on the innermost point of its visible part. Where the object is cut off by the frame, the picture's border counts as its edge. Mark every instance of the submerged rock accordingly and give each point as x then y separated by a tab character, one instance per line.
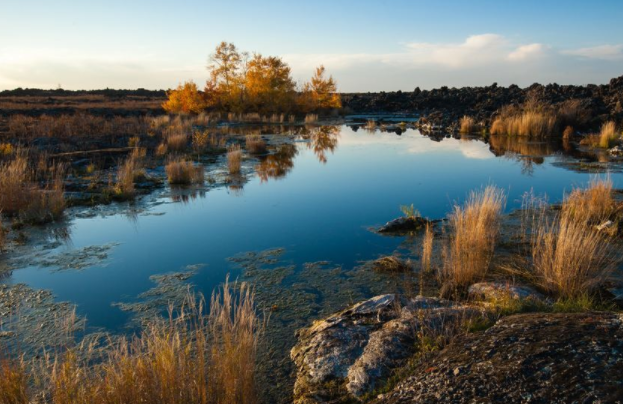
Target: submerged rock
403	225
355	351
536	358
390	264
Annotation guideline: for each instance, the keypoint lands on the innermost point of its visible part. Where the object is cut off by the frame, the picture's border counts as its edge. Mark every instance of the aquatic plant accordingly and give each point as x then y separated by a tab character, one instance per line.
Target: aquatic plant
255	144
569	258
473	229
234	159
180	172
410	212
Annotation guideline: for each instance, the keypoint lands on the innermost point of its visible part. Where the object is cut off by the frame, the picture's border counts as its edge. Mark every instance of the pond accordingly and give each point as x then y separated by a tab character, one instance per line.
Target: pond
316	199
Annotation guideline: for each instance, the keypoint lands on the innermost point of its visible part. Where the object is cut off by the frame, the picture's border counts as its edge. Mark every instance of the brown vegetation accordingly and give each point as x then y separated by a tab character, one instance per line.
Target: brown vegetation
473	229
608	135
569	258
192	357
467	125
234	159
593	205
181	172
255	144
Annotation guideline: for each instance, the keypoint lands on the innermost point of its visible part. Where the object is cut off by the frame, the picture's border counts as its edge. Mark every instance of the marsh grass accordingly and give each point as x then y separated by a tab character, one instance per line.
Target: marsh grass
34	195
127	172
473	230
608	135
255	144
192	357
234	159
592	205
177	142
180	172
529	123
467	125
569	258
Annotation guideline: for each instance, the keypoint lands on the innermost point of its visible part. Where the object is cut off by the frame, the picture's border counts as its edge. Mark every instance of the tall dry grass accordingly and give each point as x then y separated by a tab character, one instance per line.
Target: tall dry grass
182	172
34	195
126	175
608	135
467	125
255	144
473	230
592	205
192	357
527	123
569	258
177	142
234	159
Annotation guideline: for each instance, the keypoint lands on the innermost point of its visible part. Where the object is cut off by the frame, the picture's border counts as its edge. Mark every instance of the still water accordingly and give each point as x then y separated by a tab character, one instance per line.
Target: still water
315	198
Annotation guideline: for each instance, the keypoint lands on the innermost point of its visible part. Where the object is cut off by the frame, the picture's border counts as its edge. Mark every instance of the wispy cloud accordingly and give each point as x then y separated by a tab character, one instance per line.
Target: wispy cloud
602	52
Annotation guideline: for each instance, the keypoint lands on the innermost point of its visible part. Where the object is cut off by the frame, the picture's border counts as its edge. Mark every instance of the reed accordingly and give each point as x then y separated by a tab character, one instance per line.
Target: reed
473	230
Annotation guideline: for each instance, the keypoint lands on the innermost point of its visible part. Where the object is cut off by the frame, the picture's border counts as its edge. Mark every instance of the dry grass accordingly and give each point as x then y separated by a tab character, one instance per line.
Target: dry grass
311	118
255	144
527	123
568	133
473	228
427	248
193	357
22	196
608	135
177	142
181	172
569	258
126	173
592	205
467	125
162	150
13	382
234	159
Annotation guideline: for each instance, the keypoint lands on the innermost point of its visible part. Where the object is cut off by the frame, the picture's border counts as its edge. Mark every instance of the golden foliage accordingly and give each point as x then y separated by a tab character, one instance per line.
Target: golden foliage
320	92
185	99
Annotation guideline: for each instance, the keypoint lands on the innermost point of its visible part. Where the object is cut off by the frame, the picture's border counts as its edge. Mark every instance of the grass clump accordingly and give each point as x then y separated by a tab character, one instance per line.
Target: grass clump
177	142
569	258
180	172
234	159
592	205
255	144
467	125
192	357
473	229
537	124
608	135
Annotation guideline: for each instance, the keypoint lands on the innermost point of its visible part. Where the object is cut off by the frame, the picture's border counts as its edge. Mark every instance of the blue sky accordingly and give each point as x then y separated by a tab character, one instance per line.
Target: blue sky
366	45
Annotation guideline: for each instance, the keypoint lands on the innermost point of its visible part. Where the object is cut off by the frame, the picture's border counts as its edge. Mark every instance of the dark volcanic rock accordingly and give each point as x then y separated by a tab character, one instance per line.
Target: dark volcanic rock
527	358
403	225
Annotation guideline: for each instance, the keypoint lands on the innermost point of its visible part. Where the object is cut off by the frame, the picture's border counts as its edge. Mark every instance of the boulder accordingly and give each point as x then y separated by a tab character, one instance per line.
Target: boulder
403	225
355	351
491	291
525	358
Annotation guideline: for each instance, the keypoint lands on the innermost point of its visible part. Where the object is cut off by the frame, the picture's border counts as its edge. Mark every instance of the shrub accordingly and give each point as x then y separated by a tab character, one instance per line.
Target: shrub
473	229
200	140
185	99
467	125
569	258
255	144
608	135
234	159
184	173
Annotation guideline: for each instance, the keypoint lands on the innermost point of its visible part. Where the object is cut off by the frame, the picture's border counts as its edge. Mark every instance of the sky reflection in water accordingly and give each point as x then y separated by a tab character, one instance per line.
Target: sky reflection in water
317	199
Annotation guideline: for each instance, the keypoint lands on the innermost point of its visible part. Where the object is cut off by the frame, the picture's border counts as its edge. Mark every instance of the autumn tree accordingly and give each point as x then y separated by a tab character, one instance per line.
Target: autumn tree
269	85
320	92
185	99
227	70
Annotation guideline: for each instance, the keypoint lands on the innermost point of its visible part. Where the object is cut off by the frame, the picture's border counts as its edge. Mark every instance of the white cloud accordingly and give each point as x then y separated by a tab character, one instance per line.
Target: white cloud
526	52
602	52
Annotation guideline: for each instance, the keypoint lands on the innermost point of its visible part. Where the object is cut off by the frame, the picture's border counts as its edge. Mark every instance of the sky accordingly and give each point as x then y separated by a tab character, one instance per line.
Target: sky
366	45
